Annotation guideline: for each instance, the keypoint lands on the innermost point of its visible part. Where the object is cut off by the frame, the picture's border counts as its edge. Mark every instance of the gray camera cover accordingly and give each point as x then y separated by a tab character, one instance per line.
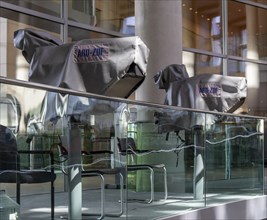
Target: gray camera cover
210	92
111	66
207	92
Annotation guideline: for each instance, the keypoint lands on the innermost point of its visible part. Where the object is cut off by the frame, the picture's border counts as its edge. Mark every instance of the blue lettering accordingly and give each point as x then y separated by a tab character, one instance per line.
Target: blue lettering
204	90
214	90
79	53
83	53
98	51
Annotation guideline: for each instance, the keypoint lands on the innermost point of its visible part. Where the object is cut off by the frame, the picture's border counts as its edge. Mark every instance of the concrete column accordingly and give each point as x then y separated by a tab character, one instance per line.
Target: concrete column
159	25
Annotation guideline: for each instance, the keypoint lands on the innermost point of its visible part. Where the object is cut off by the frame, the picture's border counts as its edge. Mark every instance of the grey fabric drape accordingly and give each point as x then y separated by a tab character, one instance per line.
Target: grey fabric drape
210	92
111	66
207	92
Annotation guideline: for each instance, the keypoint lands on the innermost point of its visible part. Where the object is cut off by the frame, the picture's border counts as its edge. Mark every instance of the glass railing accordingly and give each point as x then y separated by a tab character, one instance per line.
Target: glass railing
120	159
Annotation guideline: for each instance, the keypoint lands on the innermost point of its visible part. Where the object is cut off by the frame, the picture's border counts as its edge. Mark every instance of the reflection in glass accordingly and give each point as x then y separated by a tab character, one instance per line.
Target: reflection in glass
165	136
209	158
76	34
197	63
22	21
108	14
202	26
82	11
46	124
16	66
233	151
260	1
257	85
51	7
247	31
10	113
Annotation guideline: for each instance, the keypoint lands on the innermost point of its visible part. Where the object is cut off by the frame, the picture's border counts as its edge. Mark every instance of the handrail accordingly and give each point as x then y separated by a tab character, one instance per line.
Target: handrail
34	85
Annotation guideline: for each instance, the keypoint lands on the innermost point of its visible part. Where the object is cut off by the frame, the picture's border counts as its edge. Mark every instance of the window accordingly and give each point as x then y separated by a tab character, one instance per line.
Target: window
107	14
202	25
256	75
247	31
197	63
51	7
12	63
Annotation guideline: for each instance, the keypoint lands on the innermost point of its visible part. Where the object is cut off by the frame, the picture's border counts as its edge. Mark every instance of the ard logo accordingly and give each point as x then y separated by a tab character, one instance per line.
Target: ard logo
90	53
210	89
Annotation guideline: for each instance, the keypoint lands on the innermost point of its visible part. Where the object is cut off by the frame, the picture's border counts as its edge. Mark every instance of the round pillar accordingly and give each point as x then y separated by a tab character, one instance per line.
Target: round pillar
159	25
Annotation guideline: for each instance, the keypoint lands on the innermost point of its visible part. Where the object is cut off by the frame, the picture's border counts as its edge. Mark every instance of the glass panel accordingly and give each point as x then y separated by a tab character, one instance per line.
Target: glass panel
8	166
12	63
209	159
197	63
171	138
76	34
234	148
260	1
51	7
108	14
257	85
82	11
111	14
80	132
247	31
202	26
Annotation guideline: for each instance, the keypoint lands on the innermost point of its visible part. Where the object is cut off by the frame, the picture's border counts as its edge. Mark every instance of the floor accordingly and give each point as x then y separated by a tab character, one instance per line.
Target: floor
37	207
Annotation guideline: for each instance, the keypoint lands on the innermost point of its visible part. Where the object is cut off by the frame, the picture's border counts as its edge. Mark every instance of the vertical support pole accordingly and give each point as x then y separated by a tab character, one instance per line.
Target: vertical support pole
64	26
74	173
198	178
227	153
